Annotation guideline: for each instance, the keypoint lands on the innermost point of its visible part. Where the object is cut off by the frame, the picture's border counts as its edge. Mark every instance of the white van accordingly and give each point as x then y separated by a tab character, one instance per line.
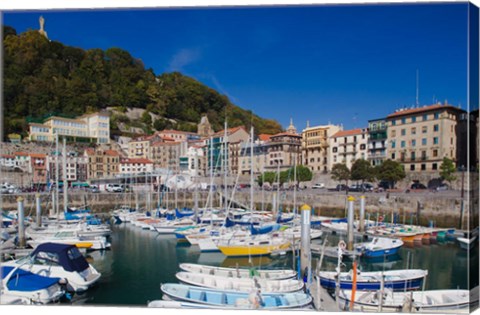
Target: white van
114	188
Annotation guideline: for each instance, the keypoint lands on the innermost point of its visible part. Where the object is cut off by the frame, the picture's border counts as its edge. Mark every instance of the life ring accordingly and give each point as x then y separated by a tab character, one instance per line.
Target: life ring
342	245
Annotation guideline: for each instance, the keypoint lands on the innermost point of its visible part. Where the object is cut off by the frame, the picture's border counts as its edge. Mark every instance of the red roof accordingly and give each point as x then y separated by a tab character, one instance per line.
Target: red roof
421	110
264	137
285	134
37	155
21	154
90	151
346	133
229	131
111	153
7	156
135	161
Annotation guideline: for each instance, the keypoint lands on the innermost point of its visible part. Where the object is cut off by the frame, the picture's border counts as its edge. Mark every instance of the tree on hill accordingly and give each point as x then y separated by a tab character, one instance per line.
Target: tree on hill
42	77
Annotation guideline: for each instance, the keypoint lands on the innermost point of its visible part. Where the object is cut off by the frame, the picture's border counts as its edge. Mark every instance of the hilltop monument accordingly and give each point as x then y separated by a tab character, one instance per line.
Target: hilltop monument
291	129
42	31
204	128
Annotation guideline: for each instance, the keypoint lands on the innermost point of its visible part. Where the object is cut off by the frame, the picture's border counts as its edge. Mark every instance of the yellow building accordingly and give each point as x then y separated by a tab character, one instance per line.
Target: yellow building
94	128
315	144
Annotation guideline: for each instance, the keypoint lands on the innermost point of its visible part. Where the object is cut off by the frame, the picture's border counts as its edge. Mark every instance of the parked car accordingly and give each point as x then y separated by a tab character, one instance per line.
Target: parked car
442	187
365	187
318	186
418	186
341	187
3	189
94	189
114	188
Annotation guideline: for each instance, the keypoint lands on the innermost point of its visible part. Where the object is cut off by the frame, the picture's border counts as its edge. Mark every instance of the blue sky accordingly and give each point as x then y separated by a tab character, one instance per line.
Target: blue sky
341	64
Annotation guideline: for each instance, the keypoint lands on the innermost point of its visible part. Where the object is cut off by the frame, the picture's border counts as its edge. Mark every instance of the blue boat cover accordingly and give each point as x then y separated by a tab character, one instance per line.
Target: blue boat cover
185	213
264	229
26	281
69	257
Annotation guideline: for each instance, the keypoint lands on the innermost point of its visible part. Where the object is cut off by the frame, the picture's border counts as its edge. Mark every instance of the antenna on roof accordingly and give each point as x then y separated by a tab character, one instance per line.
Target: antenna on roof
416	98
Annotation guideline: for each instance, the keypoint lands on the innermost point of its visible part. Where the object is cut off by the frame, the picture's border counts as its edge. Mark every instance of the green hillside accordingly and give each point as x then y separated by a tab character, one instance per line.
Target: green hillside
42	77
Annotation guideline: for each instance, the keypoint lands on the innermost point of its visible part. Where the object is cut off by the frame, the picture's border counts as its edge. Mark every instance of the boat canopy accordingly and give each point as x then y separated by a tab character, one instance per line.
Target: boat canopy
26	281
66	255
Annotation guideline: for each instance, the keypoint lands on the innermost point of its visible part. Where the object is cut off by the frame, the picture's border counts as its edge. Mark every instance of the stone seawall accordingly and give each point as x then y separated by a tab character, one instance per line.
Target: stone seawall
440	208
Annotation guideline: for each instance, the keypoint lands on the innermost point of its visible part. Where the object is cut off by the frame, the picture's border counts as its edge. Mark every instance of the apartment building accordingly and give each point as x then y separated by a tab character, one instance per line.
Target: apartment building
260	157
92	128
421	137
177	135
377	141
139	147
166	154
284	151
134	166
76	168
346	146
215	148
102	163
39	168
315	147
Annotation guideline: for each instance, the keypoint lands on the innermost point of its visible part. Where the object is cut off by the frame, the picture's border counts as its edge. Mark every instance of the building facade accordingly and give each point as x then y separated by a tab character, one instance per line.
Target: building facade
420	138
284	151
346	146
138	166
377	141
102	163
93	128
315	147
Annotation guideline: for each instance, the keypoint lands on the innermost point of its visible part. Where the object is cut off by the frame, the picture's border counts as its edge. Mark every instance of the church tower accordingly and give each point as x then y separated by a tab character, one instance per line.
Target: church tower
291	129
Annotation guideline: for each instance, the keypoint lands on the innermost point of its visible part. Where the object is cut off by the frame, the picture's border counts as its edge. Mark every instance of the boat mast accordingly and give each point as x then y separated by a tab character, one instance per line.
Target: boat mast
64	177
225	163
251	169
211	174
295	186
195	182
57	176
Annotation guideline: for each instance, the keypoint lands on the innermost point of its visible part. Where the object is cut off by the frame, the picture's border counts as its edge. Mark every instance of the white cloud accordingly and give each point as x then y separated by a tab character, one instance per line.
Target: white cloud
183	58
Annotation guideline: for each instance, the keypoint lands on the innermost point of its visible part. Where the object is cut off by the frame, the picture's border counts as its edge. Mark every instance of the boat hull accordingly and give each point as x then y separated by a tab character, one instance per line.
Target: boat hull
255	250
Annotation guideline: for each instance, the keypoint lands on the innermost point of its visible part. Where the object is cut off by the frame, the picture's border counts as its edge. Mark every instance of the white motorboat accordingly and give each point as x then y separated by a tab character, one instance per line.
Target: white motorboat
70	237
21	284
240	284
239	272
415	301
59	261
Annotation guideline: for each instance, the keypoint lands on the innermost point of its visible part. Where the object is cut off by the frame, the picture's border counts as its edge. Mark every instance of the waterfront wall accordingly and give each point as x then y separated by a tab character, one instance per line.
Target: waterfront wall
443	209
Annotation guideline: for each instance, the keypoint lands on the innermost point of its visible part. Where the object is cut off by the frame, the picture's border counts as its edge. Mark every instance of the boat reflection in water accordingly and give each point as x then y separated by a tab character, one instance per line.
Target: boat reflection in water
232	262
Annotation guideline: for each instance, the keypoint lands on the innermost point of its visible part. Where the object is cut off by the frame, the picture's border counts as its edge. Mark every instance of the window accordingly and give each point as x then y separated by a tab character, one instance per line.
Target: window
414	143
424	129
402	144
403	132
393	156
424	141
362	147
412	167
394	133
434	166
394	122
423	167
435	153
436	115
425	117
414	119
334	150
414	131
393	144
412	156
435	128
435	140
404	120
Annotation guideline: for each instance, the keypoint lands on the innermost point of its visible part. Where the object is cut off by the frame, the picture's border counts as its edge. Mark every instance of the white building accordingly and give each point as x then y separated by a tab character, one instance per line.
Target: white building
135	166
93	128
346	146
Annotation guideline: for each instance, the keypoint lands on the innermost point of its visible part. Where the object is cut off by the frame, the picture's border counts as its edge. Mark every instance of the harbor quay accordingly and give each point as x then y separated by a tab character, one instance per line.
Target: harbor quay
426	208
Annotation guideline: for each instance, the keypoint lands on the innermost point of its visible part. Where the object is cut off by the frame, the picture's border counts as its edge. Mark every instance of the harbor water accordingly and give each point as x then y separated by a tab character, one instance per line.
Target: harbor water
140	260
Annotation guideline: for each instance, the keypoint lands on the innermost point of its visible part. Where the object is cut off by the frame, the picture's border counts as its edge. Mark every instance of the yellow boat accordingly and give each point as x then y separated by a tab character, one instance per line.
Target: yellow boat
252	247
